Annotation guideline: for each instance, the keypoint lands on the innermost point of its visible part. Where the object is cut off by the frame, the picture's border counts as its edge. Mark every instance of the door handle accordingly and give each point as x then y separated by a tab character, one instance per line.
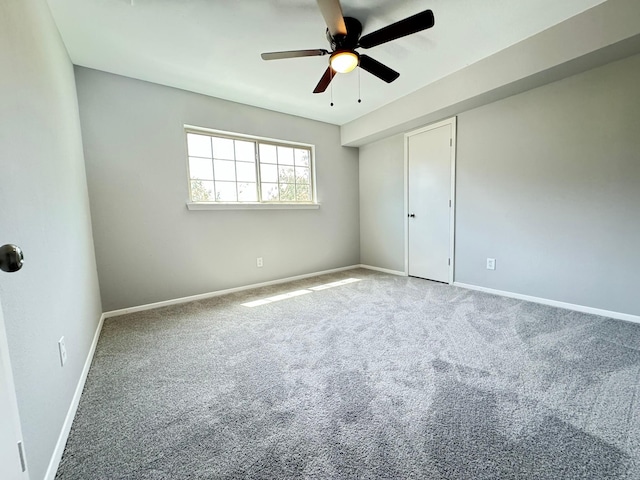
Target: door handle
412	215
11	258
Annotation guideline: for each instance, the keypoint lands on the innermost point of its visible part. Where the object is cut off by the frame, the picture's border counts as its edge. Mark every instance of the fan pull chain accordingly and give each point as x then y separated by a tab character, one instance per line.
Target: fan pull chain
331	85
359	96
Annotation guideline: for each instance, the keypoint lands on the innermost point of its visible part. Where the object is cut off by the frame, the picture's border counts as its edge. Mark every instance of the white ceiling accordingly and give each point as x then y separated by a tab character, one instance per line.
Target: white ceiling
213	46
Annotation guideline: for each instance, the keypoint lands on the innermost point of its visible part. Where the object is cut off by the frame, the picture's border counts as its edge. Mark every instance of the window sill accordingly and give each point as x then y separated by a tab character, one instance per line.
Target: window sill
252	206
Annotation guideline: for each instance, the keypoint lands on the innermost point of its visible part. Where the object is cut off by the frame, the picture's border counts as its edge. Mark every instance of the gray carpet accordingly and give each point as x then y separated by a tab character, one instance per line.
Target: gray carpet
389	377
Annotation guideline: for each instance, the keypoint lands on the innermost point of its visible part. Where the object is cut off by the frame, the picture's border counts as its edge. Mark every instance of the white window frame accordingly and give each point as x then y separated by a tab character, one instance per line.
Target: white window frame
260	205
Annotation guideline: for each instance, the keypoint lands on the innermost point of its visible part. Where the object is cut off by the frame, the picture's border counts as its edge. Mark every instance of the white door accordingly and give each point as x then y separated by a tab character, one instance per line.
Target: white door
12	462
430	175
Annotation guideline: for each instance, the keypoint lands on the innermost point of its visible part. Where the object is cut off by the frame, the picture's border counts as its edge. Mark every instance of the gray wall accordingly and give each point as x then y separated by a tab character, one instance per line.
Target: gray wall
45	210
548	183
149	247
382	241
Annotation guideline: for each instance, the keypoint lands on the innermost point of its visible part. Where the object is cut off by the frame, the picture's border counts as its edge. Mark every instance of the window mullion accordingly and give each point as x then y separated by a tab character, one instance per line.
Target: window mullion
235	169
312	190
258	178
295	180
213	169
278	171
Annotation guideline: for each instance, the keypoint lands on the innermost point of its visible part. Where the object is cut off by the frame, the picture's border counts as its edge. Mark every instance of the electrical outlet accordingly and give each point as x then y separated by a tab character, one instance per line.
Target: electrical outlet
491	263
259	262
62	348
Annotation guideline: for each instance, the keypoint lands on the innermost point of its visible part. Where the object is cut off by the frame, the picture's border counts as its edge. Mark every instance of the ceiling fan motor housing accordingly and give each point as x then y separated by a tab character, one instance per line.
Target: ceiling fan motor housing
348	41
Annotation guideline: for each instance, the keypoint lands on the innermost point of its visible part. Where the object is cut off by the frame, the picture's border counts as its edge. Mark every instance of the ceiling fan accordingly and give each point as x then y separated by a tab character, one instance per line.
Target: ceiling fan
343	34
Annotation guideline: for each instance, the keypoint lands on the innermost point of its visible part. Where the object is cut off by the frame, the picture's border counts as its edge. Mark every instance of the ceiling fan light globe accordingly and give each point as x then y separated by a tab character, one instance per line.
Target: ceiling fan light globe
344	62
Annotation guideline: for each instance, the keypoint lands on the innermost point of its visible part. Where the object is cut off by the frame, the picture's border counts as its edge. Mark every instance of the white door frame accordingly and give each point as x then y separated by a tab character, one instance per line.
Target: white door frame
12	416
452	217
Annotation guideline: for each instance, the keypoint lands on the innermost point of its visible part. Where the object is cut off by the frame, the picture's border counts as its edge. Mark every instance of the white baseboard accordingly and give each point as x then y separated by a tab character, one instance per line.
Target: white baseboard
54	463
554	303
383	270
203	296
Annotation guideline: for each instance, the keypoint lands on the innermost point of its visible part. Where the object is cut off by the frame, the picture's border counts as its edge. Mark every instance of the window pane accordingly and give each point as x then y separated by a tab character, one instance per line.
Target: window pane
199	145
224	170
302	157
247	192
200	168
201	191
246	172
223	148
226	192
287	192
268	154
245	151
303	193
286	175
269	173
303	175
285	156
269	192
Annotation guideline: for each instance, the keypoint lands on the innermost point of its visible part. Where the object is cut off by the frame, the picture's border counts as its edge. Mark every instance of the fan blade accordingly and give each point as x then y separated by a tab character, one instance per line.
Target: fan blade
376	68
416	23
293	54
332	13
324	82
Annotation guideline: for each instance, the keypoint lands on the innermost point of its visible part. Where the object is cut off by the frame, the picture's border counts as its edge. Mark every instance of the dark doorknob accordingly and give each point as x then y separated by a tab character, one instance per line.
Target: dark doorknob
412	215
11	258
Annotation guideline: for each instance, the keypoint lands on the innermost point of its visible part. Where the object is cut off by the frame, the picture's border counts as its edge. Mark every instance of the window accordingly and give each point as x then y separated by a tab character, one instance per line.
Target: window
227	168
